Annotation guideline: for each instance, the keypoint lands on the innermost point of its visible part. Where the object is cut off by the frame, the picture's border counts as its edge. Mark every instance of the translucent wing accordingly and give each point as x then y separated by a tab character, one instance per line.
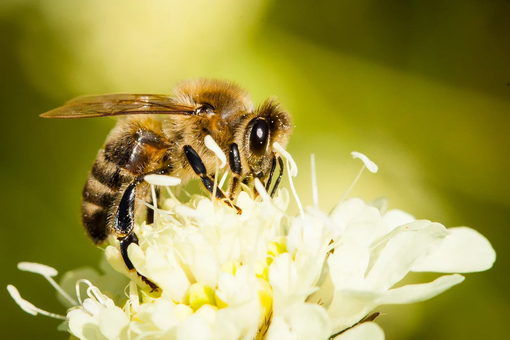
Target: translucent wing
119	104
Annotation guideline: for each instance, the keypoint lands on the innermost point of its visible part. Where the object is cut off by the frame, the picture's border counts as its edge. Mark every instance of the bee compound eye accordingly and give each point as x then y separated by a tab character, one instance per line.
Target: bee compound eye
205	109
259	136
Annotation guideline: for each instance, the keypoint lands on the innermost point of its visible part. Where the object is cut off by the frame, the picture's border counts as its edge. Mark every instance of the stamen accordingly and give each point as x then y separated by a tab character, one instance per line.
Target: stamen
367	163
353	183
94	293
371	166
292	170
171	193
223	179
294	193
155	203
77	287
28	307
133	295
215	187
47	272
262	191
315	190
37	268
211	145
162	180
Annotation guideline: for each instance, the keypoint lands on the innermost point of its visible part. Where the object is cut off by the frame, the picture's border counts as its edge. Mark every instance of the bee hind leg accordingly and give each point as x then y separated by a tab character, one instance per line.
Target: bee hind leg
123	226
199	168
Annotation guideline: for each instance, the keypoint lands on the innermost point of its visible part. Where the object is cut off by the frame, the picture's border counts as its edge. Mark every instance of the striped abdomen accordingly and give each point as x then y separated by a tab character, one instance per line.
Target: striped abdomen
99	195
130	151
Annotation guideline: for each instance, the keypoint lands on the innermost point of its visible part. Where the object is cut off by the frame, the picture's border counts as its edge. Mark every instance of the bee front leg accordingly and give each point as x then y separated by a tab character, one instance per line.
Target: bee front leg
123	226
271	173
235	166
199	168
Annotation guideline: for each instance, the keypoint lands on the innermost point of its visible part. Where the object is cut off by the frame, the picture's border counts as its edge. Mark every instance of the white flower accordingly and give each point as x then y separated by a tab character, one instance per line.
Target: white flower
266	275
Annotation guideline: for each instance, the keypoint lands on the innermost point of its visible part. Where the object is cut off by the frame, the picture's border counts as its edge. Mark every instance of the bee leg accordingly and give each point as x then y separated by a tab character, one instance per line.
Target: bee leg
235	166
199	168
278	180
271	173
123	226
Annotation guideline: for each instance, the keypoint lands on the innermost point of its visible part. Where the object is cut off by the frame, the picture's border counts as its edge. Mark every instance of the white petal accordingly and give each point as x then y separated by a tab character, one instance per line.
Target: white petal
371	166
310	322
395	217
162	180
195	327
420	292
37	268
367	330
463	251
306	322
84	326
279	330
112	322
203	263
396	257
350	306
348	265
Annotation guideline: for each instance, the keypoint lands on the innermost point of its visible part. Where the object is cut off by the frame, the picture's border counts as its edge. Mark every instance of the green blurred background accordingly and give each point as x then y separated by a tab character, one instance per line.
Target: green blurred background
422	88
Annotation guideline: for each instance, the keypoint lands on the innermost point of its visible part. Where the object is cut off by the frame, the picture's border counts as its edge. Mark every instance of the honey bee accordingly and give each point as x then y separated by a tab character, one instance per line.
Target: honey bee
161	134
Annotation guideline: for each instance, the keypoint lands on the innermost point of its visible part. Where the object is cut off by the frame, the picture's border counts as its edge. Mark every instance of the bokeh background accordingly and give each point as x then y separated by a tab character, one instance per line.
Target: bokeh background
422	88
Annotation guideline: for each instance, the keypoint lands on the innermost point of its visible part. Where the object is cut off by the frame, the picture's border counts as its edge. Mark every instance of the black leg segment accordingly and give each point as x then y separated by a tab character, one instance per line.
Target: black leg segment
235	166
125	215
277	183
199	168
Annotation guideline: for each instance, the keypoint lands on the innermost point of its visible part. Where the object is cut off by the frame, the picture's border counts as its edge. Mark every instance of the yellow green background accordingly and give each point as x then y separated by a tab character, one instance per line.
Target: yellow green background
421	87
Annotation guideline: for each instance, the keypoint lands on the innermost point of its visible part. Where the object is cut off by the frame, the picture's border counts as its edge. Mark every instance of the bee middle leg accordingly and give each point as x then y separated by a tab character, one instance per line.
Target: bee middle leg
199	168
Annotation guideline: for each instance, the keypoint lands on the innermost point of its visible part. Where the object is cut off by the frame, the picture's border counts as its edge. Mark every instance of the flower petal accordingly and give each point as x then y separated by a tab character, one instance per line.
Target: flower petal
366	330
306	322
463	251
112	322
419	292
396	257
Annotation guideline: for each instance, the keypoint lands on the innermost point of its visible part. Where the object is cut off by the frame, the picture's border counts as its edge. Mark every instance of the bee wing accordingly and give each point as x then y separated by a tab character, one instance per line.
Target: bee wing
118	104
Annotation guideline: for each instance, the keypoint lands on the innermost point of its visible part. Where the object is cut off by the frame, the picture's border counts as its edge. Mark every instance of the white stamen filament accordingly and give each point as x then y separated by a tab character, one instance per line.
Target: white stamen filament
215	183
294	193
155	203
353	183
292	169
161	212
47	272
211	145
223	179
28	307
262	191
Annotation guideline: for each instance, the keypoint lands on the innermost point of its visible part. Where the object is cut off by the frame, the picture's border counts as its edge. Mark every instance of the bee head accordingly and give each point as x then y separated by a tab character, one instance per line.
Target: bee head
268	124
